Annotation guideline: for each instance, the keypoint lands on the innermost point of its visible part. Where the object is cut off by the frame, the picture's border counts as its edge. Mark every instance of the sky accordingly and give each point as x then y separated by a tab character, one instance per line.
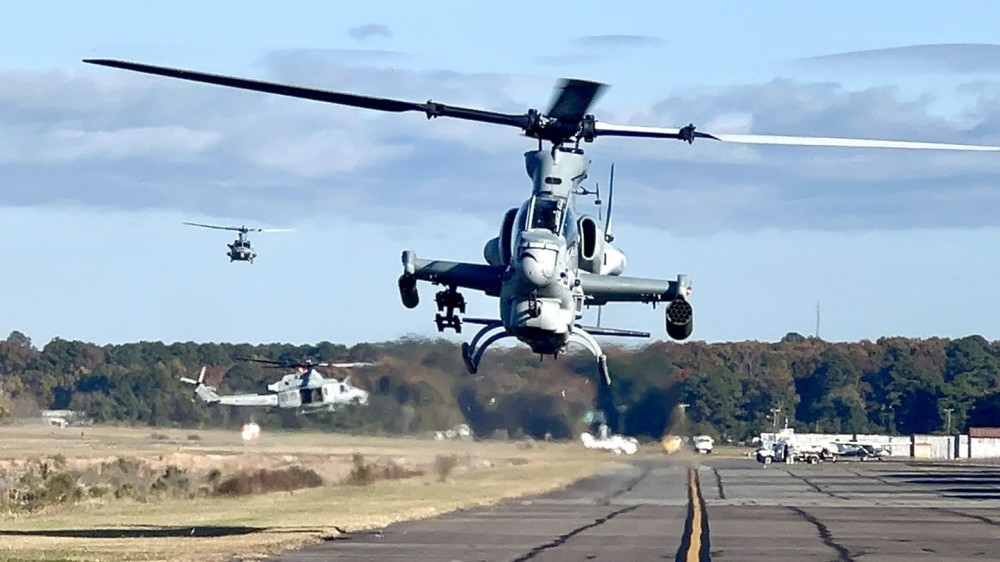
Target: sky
100	167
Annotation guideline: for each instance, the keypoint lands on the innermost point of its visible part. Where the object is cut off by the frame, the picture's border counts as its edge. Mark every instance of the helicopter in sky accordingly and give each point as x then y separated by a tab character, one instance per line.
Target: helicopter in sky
305	390
240	249
546	264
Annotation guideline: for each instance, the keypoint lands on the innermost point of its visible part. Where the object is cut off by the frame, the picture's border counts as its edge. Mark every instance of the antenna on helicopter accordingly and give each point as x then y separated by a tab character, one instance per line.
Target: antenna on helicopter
597	201
611	196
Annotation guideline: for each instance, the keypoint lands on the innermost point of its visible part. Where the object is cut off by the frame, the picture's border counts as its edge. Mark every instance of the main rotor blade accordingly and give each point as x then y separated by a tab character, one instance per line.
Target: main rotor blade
304	364
689	134
274	230
431	109
573	99
264	361
236	228
848	142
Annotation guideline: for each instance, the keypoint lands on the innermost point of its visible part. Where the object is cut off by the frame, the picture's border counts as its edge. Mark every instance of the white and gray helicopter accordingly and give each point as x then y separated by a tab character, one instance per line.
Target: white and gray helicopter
547	264
240	249
305	390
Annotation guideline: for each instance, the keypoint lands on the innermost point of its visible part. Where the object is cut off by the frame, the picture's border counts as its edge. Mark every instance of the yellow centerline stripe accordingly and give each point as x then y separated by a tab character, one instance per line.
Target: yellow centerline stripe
694	542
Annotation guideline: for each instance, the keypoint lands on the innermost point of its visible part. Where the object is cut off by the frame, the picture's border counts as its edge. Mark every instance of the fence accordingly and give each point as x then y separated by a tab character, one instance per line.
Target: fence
981	443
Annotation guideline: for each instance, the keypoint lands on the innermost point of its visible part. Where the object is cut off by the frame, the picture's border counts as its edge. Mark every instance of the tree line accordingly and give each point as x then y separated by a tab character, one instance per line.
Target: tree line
732	390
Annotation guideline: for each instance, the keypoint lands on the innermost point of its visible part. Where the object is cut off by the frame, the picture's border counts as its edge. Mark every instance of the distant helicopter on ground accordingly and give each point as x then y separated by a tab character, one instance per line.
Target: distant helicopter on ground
546	264
305	390
240	249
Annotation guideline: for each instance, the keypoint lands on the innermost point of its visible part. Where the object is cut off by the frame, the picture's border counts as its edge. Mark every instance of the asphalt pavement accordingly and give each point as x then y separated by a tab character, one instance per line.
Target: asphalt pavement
725	509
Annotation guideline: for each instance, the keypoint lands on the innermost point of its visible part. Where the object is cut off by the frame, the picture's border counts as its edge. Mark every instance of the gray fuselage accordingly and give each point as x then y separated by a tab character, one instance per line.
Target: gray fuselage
541	298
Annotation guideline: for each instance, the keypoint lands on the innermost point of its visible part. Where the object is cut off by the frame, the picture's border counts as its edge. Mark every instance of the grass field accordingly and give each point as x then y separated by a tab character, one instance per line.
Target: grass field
222	528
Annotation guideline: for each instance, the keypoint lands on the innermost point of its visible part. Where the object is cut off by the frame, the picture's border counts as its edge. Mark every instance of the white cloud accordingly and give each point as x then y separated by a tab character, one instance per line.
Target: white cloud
169	142
199	147
369	31
321	154
949	57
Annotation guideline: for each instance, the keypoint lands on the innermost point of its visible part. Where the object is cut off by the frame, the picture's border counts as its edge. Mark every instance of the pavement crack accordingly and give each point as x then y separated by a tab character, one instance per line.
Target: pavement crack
561	539
629	485
843	555
979	518
718	483
813	485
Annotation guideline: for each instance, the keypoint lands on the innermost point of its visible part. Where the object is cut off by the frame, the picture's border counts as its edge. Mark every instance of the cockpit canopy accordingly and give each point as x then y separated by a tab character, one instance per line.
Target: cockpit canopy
547	213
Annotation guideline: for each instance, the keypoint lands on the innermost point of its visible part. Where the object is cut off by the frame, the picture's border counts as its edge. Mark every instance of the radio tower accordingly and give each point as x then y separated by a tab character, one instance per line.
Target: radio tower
817	319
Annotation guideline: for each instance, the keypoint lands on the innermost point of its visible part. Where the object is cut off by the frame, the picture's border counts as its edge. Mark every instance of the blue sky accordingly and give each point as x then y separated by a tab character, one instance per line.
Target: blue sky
99	167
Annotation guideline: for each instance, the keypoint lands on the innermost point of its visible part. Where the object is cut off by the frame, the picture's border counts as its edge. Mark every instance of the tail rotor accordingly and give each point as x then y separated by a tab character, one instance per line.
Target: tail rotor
199	382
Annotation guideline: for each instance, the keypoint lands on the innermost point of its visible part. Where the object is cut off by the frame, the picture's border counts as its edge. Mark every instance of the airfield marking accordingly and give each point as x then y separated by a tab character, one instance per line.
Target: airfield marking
695	544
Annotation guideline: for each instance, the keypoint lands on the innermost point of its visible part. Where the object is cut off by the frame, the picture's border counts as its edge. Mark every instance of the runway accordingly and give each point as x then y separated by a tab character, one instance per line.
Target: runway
727	509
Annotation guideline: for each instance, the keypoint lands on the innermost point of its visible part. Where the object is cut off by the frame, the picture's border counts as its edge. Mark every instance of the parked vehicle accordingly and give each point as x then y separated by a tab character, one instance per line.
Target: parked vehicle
861	451
791	452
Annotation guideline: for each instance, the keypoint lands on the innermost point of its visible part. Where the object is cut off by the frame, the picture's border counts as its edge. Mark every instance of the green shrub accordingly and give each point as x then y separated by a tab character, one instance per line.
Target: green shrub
264	481
363	474
126	490
213	477
59	460
173	481
444	465
61	487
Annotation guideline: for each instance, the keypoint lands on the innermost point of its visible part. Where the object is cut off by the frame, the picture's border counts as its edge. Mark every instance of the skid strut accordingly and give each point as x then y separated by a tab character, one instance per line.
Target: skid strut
582	337
490	333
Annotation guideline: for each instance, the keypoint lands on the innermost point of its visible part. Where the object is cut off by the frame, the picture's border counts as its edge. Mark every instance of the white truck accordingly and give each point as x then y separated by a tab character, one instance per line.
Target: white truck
791	452
703	444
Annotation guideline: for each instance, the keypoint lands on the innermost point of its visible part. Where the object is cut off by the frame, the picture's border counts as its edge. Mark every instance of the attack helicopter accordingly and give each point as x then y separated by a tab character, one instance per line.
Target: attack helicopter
305	389
546	264
240	249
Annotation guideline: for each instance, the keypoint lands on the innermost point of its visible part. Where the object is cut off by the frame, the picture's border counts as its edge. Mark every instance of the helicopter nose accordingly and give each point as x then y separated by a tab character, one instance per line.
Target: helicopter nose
538	264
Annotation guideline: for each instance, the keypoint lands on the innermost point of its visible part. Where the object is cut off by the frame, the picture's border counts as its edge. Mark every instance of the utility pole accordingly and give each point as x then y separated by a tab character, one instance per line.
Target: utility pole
948	425
774	417
683	407
817	319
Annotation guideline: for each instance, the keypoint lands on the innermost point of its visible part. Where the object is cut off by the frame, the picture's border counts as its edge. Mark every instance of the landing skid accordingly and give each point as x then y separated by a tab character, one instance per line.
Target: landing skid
582	337
494	331
472	353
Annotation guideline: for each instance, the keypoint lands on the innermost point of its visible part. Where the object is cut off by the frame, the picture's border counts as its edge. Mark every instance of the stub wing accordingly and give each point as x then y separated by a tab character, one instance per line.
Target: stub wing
479	277
602	289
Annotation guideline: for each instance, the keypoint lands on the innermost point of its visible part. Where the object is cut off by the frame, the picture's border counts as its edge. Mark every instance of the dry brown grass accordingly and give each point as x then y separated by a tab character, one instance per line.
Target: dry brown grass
258	525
